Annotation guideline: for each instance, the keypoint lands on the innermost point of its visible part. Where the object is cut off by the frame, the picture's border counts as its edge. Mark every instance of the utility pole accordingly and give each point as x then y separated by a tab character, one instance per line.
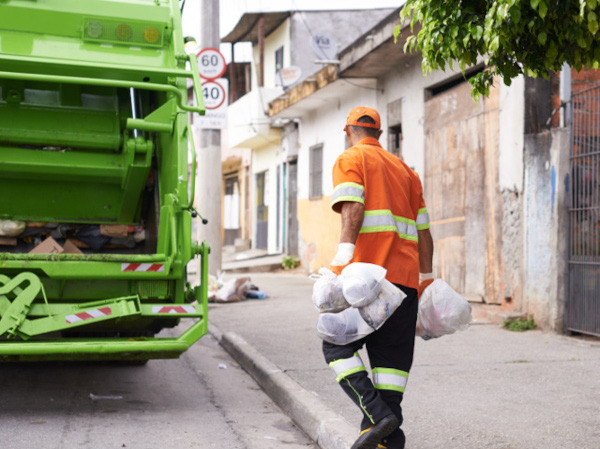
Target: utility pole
209	177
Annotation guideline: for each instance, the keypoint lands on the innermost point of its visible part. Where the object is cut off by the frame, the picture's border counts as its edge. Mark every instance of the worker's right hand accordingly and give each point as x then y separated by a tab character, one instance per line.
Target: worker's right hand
336	269
344	255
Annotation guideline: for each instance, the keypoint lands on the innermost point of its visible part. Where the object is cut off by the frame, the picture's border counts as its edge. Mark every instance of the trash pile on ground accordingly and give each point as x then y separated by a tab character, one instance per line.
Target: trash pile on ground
46	237
360	300
232	290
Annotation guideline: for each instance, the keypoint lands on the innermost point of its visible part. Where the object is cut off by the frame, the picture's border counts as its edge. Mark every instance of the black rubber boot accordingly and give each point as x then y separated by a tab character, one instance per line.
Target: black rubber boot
372	436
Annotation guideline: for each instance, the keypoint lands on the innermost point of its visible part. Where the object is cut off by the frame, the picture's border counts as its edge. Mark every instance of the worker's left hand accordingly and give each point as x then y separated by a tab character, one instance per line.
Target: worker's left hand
423	285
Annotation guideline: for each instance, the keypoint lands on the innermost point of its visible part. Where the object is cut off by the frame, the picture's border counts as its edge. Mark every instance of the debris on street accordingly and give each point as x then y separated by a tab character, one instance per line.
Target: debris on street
232	290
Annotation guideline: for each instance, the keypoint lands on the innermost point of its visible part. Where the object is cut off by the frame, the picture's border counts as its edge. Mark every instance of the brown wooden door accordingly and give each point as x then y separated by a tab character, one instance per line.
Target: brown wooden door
461	146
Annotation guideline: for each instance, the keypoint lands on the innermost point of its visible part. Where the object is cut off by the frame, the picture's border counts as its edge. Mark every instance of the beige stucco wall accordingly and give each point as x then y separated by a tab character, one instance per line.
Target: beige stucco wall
319	232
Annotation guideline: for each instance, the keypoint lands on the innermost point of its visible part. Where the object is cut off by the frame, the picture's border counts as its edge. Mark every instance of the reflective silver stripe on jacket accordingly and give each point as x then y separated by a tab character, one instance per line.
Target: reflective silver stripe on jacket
384	221
346	367
423	219
348	191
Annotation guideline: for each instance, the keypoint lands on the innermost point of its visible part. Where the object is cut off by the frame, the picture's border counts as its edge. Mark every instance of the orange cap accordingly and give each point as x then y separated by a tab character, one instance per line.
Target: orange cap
361	111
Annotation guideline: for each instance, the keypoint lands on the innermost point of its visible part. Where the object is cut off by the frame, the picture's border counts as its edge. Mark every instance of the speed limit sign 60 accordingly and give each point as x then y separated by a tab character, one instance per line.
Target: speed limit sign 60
211	64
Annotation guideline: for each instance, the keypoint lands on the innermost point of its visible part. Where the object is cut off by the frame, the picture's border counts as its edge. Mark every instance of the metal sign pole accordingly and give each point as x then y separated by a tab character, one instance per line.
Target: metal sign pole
209	177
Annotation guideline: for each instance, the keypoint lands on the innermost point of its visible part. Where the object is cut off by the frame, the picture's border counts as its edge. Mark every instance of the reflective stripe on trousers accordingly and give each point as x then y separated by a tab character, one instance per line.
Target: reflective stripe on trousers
390	379
346	367
383	221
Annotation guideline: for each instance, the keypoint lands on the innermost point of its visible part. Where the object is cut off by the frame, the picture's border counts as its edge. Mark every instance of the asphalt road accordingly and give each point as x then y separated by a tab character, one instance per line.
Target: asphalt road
202	400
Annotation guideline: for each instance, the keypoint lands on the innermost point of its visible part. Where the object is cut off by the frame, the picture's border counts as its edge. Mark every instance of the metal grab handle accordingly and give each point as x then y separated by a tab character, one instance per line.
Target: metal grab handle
197	84
181	100
193	177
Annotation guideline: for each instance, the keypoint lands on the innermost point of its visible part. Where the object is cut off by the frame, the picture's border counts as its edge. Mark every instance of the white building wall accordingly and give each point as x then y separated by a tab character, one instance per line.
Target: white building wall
266	159
325	125
279	37
512	123
409	84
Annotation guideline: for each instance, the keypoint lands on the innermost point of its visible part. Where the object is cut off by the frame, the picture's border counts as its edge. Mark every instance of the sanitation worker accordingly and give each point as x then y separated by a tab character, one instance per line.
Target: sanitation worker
385	222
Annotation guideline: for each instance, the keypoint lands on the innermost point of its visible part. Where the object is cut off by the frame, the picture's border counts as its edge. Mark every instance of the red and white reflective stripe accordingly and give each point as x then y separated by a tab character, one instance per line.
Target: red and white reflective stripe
156	267
89	315
173	309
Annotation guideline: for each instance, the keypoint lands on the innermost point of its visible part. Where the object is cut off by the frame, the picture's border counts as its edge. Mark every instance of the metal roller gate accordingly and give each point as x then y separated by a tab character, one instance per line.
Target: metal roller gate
583	307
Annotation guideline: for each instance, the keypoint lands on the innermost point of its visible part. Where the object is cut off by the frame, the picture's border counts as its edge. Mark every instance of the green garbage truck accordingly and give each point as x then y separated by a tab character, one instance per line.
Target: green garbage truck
97	171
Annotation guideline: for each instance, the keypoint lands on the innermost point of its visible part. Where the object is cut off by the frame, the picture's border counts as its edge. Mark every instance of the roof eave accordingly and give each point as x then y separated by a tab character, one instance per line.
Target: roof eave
370	56
246	30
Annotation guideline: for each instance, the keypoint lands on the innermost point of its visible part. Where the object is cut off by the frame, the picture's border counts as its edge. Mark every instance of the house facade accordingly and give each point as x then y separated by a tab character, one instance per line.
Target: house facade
495	172
285	46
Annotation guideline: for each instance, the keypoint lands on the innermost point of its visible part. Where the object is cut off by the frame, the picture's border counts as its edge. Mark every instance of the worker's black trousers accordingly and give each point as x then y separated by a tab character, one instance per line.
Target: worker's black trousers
392	346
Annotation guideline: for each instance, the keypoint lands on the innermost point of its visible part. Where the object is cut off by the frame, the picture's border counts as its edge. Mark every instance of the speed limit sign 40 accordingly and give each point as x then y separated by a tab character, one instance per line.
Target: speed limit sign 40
214	95
211	64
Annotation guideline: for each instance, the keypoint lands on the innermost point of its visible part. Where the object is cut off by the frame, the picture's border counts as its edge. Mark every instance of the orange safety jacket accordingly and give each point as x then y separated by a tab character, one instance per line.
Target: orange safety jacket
394	208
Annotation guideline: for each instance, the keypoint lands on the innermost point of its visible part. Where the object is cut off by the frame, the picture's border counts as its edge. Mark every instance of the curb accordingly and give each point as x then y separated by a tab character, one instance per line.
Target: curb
328	429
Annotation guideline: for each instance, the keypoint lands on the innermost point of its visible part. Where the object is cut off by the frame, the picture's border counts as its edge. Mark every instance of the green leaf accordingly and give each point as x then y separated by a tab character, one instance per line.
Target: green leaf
592	4
478	32
515	14
396	34
495	44
543	9
552	52
535	3
593	26
542	38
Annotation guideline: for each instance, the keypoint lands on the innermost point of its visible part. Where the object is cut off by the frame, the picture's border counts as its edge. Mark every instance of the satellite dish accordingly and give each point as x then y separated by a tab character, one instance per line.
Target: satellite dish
289	75
323	46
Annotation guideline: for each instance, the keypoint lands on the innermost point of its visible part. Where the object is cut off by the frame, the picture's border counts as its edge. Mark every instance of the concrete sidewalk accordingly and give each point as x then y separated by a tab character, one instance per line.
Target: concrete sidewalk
482	388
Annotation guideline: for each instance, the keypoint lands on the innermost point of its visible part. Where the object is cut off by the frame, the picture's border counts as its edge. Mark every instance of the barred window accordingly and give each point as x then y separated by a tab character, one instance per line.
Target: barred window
395	137
316	171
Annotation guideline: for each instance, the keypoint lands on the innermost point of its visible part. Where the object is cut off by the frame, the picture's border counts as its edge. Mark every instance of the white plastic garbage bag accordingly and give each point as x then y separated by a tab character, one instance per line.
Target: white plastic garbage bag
361	283
343	327
442	310
389	299
327	292
11	228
